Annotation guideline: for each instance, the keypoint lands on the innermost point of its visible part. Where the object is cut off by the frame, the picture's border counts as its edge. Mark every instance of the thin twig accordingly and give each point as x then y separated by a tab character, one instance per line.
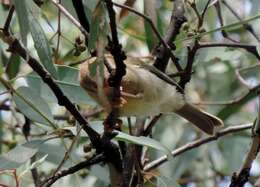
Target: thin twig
240	178
82	165
70	17
220	17
148	19
58	31
150	126
229	102
67	153
197	143
9	19
250	48
204	11
116	49
242	80
177	19
79	8
247	26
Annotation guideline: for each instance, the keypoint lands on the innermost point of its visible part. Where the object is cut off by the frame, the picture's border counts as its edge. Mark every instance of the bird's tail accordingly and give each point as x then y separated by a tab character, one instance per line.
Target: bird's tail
201	119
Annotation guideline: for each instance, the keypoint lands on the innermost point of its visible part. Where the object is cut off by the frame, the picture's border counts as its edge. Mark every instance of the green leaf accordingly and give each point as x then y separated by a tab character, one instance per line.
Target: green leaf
93	68
228	150
251	75
98	64
96	125
228	27
150	10
98	26
13	66
144	141
33	106
89	7
101	172
228	110
183	162
68	82
33	165
41	45
19	155
163	181
258	48
56	153
21	10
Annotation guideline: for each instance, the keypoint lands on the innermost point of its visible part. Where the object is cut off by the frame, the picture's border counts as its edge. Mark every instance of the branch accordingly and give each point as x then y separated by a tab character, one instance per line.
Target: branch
79	8
220	17
247	26
16	47
229	102
64	117
250	48
9	19
197	143
147	131
115	49
70	17
82	165
186	76
156	32
236	105
103	144
242	177
177	19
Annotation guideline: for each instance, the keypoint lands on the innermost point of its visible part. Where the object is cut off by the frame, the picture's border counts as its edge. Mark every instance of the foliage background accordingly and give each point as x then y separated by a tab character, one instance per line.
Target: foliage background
214	80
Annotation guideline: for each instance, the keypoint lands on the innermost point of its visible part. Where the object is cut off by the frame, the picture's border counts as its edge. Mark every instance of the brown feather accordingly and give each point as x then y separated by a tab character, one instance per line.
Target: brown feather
201	119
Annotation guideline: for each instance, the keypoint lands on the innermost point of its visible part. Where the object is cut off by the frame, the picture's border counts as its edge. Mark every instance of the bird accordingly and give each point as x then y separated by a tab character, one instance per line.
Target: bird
145	91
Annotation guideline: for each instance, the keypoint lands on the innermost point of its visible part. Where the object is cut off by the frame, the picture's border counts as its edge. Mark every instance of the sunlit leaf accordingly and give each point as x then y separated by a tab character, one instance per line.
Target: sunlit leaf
33	165
144	141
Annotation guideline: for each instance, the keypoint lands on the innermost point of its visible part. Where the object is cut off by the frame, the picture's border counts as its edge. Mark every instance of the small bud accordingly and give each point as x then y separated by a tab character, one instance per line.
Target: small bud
185	26
78	40
82	47
87	148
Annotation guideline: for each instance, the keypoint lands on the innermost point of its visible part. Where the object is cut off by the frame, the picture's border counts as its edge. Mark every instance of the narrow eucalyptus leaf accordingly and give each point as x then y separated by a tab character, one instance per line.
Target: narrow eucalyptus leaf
67	81
144	141
21	11
151	12
19	155
13	66
163	181
33	106
41	45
